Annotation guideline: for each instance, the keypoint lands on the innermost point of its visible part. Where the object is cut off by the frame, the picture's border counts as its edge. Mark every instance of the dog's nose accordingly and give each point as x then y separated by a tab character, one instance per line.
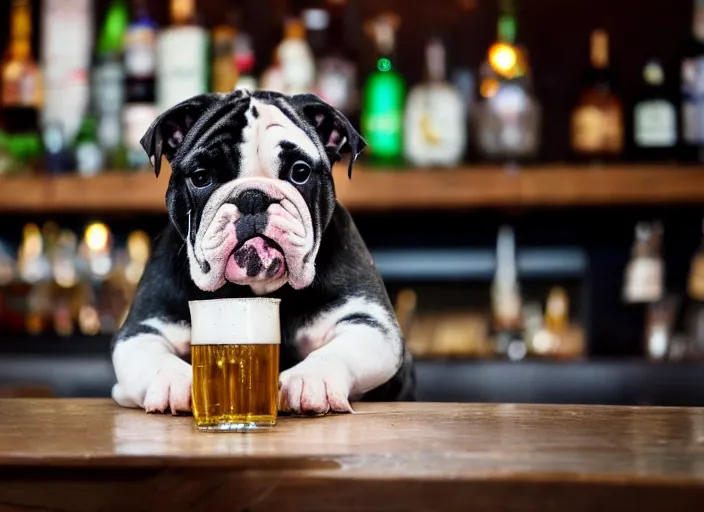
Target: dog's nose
251	202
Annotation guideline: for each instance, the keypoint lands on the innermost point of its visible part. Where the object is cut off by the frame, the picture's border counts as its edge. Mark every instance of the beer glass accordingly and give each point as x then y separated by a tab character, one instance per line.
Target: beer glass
235	357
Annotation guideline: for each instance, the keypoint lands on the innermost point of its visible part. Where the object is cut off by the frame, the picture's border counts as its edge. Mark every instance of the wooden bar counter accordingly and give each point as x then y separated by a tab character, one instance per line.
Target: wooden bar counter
89	455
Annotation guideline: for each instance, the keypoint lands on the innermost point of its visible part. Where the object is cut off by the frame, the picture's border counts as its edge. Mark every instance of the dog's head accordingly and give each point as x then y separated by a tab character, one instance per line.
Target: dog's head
251	190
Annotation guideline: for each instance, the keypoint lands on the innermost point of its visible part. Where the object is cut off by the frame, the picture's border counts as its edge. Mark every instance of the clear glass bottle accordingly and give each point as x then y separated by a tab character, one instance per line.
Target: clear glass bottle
294	57
67	31
182	69
435	131
245	60
654	117
336	81
508	115
506	300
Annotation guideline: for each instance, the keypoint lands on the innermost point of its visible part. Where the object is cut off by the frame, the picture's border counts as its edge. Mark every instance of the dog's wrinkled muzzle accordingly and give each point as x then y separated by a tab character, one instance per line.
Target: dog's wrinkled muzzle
256	232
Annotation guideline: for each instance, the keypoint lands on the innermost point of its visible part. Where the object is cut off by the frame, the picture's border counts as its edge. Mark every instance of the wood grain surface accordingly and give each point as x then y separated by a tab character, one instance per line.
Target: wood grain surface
379	190
89	454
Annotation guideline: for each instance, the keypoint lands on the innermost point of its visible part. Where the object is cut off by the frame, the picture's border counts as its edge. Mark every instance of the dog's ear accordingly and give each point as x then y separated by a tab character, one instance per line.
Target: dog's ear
334	129
167	131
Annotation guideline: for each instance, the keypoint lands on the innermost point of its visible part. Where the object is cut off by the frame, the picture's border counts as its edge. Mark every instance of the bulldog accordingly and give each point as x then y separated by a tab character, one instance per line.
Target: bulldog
253	212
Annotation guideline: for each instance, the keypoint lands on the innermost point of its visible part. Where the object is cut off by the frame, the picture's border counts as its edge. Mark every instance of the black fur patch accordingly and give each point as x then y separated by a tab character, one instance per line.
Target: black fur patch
364	319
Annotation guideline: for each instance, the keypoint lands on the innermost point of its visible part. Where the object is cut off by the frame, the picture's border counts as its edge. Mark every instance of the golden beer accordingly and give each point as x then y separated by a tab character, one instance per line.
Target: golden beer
235	347
235	385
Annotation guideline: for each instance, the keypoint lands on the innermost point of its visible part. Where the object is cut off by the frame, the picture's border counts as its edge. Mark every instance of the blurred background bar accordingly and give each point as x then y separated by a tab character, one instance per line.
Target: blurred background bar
532	193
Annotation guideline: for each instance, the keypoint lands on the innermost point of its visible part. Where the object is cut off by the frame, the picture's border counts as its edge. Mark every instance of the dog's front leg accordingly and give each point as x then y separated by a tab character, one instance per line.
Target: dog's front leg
355	357
149	369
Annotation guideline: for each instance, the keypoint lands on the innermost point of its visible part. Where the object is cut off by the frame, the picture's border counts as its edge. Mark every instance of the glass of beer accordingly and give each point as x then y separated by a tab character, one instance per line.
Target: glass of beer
235	357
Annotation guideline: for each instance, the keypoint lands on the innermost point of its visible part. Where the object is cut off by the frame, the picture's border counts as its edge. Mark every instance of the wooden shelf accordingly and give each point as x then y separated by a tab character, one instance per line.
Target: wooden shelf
390	189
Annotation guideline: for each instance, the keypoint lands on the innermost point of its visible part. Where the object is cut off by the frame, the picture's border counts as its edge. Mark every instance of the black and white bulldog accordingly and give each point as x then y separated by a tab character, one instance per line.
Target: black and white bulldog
253	212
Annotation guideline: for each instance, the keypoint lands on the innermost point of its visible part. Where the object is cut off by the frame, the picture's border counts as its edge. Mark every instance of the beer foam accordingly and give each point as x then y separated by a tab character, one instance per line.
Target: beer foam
248	321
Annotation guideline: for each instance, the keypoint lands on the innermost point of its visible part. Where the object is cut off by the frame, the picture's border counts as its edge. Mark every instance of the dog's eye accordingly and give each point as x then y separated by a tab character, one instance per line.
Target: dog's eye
300	172
201	178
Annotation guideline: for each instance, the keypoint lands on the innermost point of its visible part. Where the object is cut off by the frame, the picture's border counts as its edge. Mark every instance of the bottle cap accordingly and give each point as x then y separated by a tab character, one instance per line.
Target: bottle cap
653	73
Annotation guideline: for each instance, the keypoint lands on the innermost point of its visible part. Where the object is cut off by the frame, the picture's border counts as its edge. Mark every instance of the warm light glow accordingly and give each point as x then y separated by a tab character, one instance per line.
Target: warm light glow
489	87
97	235
33	245
138	246
503	59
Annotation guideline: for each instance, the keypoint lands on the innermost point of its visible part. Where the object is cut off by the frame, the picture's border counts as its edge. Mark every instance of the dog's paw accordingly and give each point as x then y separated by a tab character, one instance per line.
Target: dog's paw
314	387
170	389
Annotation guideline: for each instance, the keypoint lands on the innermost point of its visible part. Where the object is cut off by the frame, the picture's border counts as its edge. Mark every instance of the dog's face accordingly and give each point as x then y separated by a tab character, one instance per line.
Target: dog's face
251	190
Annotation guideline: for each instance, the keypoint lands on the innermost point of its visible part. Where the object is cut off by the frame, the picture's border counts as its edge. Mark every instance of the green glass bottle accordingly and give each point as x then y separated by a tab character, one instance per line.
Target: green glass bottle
89	156
109	83
384	98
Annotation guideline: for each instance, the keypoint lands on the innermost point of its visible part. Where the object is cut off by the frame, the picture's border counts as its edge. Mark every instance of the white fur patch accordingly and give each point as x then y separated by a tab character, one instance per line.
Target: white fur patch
150	374
355	356
178	334
259	150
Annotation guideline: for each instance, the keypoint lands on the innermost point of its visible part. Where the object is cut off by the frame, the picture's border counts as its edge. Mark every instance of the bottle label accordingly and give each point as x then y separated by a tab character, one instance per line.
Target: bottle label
643	280
695	282
597	129
137	119
435	128
140	52
655	124
21	90
181	65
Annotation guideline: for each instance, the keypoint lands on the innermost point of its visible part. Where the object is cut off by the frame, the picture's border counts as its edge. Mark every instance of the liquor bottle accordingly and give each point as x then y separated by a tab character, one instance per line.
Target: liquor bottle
644	274
58	158
654	117
597	121
336	81
434	121
35	269
694	308
67	34
244	61
182	57
88	153
384	96
508	116
140	95
293	69
65	276
21	95
692	84
506	298
224	72
109	82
